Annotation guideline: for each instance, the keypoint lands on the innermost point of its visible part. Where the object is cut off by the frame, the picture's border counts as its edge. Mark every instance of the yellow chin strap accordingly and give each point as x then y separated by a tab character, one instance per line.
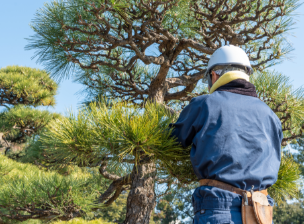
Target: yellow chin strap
228	77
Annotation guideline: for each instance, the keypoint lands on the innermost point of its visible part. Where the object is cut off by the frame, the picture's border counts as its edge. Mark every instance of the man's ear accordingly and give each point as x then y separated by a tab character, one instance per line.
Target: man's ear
214	77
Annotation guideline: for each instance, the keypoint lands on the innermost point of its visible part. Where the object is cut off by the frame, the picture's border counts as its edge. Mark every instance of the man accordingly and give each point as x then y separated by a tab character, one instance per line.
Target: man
236	142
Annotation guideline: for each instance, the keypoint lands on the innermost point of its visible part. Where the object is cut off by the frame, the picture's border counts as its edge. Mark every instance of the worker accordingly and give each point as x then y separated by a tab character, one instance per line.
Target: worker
236	144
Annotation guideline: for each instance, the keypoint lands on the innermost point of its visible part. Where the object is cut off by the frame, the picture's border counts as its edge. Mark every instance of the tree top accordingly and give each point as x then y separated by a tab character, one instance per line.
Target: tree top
152	49
27	86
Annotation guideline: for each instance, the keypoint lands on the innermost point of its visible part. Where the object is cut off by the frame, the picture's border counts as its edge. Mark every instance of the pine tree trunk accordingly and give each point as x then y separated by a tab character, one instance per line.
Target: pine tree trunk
141	199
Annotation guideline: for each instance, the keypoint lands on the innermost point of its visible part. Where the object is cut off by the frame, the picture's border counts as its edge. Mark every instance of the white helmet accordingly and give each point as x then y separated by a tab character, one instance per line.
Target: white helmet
228	55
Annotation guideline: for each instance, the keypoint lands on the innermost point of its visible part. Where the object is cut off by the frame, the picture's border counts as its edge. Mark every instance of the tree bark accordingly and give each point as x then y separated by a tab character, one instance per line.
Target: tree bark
159	87
141	199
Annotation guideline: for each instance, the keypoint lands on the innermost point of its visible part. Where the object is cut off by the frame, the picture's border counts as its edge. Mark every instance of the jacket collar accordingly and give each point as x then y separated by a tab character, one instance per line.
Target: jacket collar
228	77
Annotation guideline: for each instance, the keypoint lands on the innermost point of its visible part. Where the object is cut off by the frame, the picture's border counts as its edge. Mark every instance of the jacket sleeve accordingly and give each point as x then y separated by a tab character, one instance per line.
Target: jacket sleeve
186	126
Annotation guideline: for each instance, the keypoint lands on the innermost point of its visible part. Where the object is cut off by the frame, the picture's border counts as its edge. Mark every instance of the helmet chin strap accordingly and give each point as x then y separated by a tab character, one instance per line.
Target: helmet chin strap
209	80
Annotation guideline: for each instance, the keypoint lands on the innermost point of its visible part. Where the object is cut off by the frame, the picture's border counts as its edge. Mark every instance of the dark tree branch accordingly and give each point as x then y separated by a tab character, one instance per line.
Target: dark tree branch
116	186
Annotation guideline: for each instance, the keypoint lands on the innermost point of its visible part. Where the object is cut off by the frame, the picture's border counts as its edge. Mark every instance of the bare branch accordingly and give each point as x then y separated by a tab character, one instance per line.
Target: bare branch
106	174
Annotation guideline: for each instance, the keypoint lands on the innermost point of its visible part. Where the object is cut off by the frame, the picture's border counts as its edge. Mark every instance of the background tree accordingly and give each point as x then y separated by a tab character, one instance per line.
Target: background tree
116	212
165	210
30	193
289	213
299	154
150	50
21	89
181	203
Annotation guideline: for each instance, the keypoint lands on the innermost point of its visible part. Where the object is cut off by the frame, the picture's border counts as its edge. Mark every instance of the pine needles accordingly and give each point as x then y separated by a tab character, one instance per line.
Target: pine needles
276	91
287	186
27	192
120	130
24	85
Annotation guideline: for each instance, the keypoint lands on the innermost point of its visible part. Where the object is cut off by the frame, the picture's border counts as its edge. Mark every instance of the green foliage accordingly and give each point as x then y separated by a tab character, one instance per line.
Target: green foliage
116	212
299	156
21	121
26	188
287	186
182	202
32	221
121	130
28	86
22	88
277	92
289	213
179	166
82	221
32	153
74	221
166	213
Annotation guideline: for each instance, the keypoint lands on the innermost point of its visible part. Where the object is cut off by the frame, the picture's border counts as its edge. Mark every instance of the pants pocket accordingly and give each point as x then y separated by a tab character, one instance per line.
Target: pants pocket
213	217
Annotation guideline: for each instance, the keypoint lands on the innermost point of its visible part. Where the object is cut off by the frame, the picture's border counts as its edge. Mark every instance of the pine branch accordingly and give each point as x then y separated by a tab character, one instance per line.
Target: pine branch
108	42
107	175
117	187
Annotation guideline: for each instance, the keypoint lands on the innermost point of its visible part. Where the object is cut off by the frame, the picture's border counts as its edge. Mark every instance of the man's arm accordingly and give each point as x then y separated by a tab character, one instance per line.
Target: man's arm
186	126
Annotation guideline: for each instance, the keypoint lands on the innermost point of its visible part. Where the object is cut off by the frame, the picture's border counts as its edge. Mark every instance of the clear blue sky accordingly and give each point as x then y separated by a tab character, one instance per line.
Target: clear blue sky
16	15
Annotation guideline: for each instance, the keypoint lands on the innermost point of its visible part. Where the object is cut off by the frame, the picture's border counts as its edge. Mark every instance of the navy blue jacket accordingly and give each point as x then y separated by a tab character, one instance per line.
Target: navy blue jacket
235	139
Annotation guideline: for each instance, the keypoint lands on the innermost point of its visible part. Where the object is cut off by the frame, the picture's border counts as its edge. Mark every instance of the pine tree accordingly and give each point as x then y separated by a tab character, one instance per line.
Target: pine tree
166	213
138	51
27	192
22	89
299	155
289	213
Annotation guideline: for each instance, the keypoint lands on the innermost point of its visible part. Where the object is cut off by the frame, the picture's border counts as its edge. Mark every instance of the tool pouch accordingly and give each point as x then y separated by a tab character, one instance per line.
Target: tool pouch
248	216
262	209
256	209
